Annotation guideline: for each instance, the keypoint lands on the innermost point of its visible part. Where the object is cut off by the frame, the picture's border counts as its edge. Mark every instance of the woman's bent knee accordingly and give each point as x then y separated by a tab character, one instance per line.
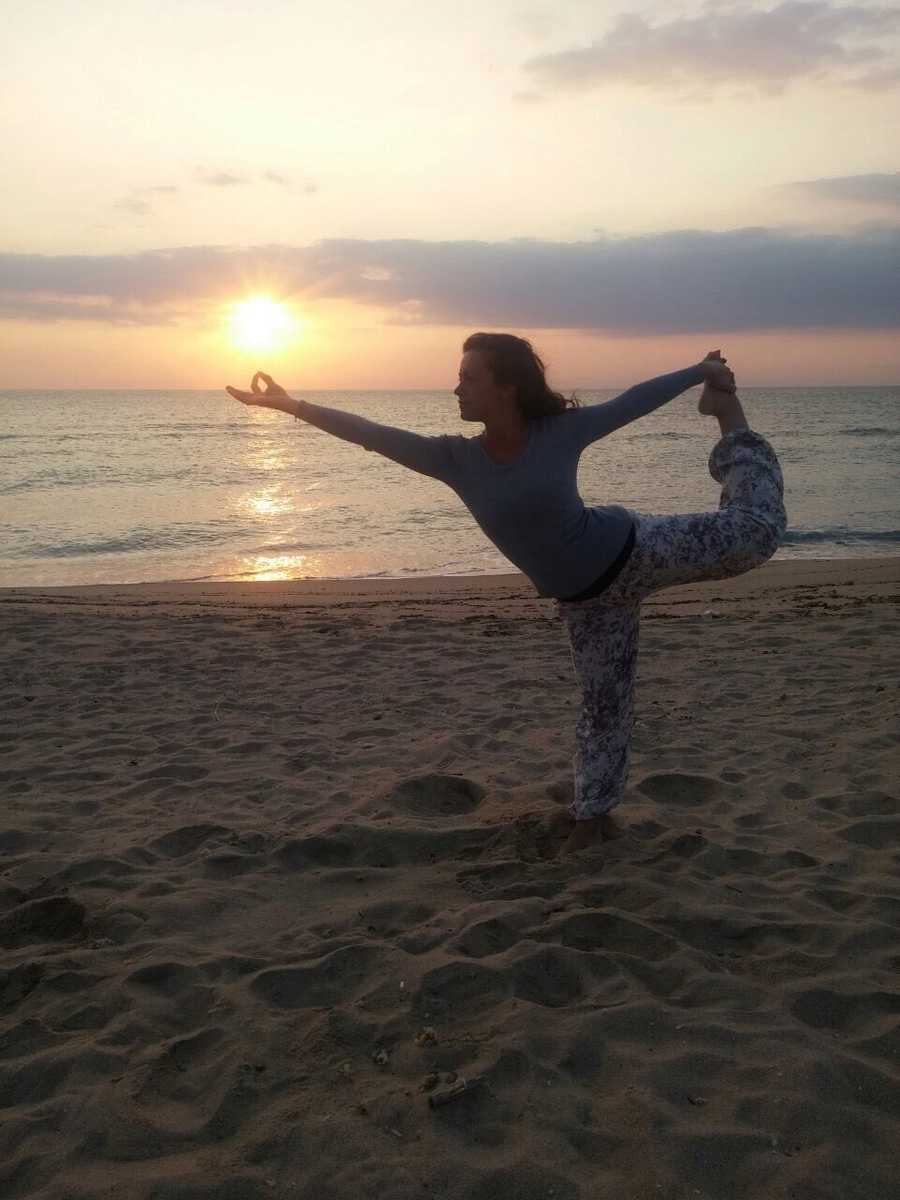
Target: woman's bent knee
762	542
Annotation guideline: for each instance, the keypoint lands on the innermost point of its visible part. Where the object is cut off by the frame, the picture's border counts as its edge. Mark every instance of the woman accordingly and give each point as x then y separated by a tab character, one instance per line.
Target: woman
518	479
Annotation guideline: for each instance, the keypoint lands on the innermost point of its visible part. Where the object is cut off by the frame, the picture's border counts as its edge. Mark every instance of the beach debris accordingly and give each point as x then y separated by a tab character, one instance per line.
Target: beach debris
697	1101
345	1070
426	1036
431	1081
461	1088
380	1057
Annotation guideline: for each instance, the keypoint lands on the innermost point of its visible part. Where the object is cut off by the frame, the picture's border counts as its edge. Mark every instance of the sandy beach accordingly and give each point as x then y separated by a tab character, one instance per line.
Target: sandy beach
279	862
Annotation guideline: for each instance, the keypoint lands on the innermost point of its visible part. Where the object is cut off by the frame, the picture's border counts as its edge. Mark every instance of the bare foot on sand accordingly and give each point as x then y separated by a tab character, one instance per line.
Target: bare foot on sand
591	833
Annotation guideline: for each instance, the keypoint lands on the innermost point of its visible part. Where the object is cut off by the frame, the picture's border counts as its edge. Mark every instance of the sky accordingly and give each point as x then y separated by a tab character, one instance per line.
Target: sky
627	185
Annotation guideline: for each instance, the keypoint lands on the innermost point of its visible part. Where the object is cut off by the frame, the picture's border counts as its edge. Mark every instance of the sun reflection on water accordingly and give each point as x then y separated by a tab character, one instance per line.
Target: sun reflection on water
266	458
267	503
281	566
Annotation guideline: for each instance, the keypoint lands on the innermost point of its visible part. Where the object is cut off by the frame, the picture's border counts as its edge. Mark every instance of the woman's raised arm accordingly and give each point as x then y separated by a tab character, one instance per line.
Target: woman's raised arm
598	420
426	455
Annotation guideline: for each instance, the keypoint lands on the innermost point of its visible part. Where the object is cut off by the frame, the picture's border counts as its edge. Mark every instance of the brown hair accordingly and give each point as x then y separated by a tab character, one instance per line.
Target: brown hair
512	360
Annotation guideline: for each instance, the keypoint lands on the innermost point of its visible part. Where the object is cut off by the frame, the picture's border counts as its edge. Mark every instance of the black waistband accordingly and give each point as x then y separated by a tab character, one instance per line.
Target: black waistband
601	584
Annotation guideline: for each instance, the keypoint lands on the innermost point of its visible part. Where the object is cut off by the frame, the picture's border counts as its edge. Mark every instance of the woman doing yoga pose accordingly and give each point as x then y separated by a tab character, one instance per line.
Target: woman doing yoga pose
518	478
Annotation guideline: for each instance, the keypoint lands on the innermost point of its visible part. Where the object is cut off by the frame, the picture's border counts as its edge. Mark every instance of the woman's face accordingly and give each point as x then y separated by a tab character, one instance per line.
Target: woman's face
479	395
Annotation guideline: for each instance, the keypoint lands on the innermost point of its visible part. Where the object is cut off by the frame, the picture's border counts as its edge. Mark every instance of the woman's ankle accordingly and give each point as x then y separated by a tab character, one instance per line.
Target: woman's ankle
730	415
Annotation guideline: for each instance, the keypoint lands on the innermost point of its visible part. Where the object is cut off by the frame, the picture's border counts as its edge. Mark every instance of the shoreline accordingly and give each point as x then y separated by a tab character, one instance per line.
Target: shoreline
841	580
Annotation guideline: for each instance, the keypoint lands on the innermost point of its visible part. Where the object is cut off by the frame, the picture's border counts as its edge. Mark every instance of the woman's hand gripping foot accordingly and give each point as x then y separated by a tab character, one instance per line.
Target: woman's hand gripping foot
718	381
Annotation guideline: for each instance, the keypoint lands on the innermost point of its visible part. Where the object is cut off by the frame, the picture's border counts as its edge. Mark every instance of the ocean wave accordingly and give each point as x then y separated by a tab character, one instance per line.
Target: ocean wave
290	548
48	479
841	536
140	540
182	431
177	425
108	477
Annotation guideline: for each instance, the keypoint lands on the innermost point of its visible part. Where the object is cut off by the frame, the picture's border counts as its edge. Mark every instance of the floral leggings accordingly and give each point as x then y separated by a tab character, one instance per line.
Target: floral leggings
603	631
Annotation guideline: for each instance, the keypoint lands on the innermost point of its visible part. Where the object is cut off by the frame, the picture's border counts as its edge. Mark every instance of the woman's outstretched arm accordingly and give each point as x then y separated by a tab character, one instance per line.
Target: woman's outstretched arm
598	420
427	455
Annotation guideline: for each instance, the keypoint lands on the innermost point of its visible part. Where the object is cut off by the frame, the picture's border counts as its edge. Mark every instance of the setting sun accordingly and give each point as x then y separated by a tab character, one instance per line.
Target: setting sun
260	323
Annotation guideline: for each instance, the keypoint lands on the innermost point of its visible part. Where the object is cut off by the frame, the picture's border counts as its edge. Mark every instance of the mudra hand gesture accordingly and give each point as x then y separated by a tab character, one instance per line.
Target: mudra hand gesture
256	395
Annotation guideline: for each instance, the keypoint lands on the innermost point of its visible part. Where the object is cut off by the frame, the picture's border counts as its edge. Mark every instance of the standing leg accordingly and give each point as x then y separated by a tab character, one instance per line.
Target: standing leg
604	643
743	534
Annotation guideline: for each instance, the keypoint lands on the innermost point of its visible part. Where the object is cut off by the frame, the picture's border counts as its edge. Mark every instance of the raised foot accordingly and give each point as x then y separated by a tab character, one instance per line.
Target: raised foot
591	833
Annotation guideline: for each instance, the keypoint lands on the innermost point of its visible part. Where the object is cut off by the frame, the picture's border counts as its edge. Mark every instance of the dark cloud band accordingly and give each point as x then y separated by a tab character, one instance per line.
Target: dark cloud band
692	281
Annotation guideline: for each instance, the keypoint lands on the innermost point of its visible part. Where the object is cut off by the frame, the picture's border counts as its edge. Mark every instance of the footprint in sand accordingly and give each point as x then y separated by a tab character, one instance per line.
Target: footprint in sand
685	790
393	917
467	987
484	938
437	796
365	845
552	977
19	841
876	834
614	934
186	840
860	804
860	1014
164	978
338	978
52	919
520	1181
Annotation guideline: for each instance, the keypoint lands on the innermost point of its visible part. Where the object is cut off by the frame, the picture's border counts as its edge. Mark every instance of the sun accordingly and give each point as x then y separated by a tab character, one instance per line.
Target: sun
260	323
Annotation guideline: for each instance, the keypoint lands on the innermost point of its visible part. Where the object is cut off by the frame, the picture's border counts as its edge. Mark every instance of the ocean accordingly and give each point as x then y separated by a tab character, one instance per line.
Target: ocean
147	486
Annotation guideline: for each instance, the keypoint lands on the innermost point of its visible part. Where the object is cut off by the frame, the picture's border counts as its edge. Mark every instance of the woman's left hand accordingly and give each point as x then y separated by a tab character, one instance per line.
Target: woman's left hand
256	395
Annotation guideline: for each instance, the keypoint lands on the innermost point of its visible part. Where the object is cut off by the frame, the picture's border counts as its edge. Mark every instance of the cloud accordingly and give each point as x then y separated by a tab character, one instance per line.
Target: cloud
529	98
224	179
679	282
768	50
221	179
133	204
304	189
138	200
880	189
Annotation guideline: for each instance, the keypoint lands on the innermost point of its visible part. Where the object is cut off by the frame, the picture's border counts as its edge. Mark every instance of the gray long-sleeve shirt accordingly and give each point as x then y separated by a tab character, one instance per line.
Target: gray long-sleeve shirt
530	508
